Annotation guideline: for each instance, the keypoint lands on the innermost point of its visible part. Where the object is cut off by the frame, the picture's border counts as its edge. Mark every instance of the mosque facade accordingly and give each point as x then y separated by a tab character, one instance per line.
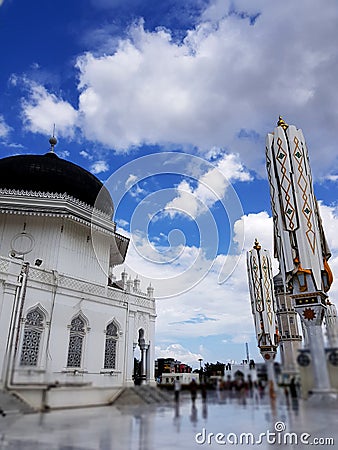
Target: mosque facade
69	328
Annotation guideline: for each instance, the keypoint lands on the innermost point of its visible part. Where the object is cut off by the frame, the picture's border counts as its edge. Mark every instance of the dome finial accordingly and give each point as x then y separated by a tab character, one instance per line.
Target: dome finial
53	141
281	123
257	245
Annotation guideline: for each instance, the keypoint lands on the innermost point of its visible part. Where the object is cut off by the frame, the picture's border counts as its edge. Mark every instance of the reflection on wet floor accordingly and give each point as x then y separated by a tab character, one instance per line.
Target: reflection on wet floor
180	425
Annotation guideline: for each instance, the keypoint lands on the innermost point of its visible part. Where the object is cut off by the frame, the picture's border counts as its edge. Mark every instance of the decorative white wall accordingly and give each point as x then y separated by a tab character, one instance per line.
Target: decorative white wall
72	279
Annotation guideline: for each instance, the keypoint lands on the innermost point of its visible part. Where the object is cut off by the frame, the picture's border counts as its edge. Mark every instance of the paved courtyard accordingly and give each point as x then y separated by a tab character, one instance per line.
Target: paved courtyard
218	421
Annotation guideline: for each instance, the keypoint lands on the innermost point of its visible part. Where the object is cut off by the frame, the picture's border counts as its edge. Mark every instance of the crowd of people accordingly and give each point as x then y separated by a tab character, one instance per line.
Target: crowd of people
238	387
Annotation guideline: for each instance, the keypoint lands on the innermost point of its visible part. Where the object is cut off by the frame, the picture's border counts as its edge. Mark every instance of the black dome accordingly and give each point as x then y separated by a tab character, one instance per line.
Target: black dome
49	173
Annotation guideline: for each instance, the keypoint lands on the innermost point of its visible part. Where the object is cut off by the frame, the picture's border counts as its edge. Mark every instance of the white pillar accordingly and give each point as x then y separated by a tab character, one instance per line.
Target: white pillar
151	350
146	363
311	315
331	323
10	291
316	345
144	348
269	358
271	372
6	326
130	346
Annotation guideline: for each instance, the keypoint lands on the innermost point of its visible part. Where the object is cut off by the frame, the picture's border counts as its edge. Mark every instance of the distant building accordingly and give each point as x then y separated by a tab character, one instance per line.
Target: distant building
170	365
246	370
185	378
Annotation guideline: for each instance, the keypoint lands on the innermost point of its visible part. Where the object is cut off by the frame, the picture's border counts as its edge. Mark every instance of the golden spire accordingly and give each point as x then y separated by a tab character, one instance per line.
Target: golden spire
281	123
256	245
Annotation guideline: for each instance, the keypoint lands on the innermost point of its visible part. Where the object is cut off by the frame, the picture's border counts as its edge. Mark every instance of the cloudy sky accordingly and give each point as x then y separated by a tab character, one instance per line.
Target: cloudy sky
169	103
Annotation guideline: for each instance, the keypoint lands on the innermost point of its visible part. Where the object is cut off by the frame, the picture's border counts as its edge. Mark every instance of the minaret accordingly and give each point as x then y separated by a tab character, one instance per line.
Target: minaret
137	284
290	339
300	243
150	291
263	306
124	279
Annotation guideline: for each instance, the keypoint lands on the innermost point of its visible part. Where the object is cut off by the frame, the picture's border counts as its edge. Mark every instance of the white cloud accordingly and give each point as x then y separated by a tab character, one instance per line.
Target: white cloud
211	187
134	188
177	351
86	155
223	86
136	191
41	110
99	167
63	154
329	215
207	89
13	145
240	338
209	308
256	225
4	128
186	202
213	154
122	223
131	181
333	178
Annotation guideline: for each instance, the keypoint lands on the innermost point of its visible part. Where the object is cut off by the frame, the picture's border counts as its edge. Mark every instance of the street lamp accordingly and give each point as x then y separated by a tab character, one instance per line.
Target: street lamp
200	374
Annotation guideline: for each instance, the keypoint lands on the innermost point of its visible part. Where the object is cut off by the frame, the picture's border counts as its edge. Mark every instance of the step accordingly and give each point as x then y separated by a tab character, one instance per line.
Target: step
11	403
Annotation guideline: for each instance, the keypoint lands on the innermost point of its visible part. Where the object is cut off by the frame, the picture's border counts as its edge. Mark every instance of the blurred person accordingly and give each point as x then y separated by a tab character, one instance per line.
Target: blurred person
177	389
193	390
204	392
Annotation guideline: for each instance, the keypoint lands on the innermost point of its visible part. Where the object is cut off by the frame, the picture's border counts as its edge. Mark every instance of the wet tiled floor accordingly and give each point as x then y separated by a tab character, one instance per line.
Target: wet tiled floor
219	421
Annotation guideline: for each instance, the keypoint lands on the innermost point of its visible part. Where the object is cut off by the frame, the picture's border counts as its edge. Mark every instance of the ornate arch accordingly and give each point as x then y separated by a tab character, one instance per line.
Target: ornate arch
35	322
78	328
141	322
112	333
83	317
41	309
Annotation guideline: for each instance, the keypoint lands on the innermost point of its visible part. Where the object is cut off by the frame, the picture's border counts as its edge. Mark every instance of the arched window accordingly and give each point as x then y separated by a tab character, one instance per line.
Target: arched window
110	348
34	325
76	338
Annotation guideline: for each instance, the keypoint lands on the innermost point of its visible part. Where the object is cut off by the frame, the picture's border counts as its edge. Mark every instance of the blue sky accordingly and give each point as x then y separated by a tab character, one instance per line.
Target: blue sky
169	103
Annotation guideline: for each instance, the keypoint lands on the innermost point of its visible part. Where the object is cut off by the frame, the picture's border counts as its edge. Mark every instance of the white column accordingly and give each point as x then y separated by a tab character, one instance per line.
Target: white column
148	364
144	348
331	323
316	345
311	315
130	346
269	358
7	325
271	372
151	351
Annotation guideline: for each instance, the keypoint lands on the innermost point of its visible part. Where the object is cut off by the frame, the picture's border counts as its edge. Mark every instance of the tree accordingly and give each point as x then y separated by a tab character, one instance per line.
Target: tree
214	369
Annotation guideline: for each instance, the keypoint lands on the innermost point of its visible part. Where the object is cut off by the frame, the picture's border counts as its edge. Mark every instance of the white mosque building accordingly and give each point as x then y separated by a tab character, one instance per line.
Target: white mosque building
68	329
